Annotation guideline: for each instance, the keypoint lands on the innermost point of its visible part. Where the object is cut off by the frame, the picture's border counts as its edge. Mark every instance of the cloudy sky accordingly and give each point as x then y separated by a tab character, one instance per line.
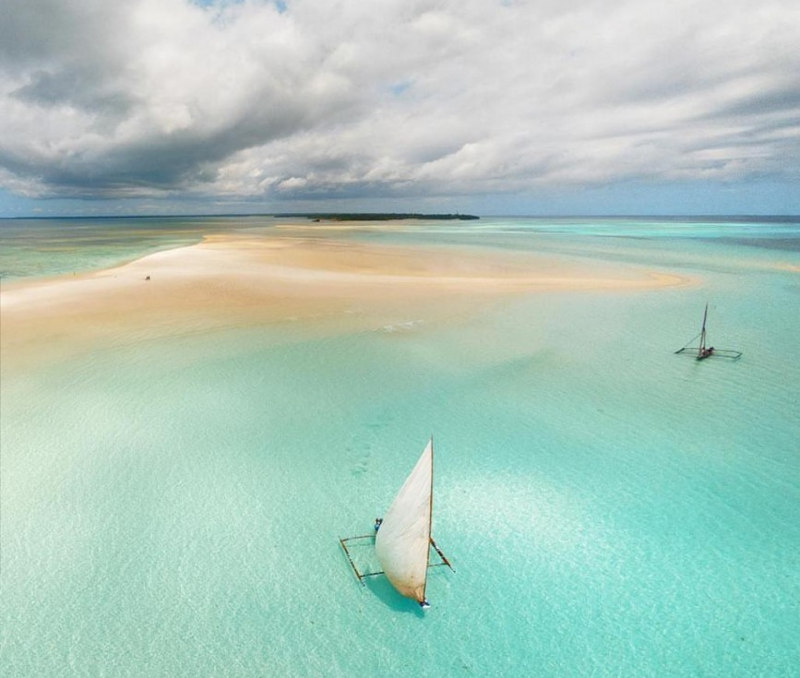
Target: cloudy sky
488	106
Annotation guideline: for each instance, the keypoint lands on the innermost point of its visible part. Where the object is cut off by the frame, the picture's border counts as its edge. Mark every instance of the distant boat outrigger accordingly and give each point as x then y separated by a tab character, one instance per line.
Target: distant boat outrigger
702	351
403	537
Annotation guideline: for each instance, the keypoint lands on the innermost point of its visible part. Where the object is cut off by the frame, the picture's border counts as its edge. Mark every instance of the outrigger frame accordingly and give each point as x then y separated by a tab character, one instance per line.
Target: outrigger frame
719	352
344	541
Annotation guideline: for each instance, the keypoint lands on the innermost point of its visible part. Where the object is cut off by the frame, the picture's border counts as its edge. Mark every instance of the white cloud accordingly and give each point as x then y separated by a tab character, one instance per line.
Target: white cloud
331	99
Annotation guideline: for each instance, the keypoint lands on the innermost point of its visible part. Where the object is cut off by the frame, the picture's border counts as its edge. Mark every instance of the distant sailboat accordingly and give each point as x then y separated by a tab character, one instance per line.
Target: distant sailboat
403	537
703	351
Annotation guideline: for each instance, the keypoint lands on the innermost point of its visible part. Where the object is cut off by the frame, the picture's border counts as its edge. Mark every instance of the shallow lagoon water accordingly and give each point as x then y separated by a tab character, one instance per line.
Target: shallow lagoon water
172	507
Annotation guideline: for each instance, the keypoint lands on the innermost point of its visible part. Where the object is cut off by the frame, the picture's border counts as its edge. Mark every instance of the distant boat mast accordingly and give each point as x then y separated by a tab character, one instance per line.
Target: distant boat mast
702	351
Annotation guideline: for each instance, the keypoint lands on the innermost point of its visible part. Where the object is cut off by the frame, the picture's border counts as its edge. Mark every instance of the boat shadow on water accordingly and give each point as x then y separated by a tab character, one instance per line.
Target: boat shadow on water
383	591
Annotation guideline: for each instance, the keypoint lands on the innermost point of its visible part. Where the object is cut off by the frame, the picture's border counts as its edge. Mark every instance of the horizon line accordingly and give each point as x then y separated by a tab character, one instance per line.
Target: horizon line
406	215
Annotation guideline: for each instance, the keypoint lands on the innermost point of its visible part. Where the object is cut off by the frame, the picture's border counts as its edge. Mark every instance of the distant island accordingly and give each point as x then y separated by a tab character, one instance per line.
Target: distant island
379	216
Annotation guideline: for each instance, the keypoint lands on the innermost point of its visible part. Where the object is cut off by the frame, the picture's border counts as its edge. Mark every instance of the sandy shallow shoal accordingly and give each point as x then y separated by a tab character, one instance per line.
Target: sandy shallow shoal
244	280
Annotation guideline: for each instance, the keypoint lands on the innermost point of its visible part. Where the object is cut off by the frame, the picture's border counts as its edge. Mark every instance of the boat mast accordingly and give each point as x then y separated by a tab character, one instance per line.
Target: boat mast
702	349
430	523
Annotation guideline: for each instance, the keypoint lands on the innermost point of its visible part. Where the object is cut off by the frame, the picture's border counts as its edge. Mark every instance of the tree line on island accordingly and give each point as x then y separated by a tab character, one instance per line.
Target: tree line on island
377	216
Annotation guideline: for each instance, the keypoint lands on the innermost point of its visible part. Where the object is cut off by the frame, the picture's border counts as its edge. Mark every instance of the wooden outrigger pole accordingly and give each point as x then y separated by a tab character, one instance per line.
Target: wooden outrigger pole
359	575
441	555
343	542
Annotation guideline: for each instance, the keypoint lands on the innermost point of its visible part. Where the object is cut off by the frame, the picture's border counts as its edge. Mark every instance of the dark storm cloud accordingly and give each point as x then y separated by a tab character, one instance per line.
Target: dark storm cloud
309	100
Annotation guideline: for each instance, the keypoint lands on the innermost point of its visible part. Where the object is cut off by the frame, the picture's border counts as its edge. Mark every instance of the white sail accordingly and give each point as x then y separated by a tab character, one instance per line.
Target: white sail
402	542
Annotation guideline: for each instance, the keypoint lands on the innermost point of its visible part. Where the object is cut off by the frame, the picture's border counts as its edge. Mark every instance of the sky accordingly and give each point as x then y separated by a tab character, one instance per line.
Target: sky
473	106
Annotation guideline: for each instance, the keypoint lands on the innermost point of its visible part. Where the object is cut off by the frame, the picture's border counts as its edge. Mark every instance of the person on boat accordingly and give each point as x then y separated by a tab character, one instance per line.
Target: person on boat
378	522
424	604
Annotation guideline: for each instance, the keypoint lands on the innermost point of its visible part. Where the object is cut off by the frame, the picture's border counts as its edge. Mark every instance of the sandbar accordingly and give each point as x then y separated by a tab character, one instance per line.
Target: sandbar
287	275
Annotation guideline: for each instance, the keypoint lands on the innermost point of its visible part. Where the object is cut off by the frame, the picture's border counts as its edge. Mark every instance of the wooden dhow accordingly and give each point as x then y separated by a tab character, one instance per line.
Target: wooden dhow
402	539
702	351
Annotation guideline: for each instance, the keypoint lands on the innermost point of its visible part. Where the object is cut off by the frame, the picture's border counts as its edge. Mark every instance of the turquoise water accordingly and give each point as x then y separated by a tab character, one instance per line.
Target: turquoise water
172	508
47	247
